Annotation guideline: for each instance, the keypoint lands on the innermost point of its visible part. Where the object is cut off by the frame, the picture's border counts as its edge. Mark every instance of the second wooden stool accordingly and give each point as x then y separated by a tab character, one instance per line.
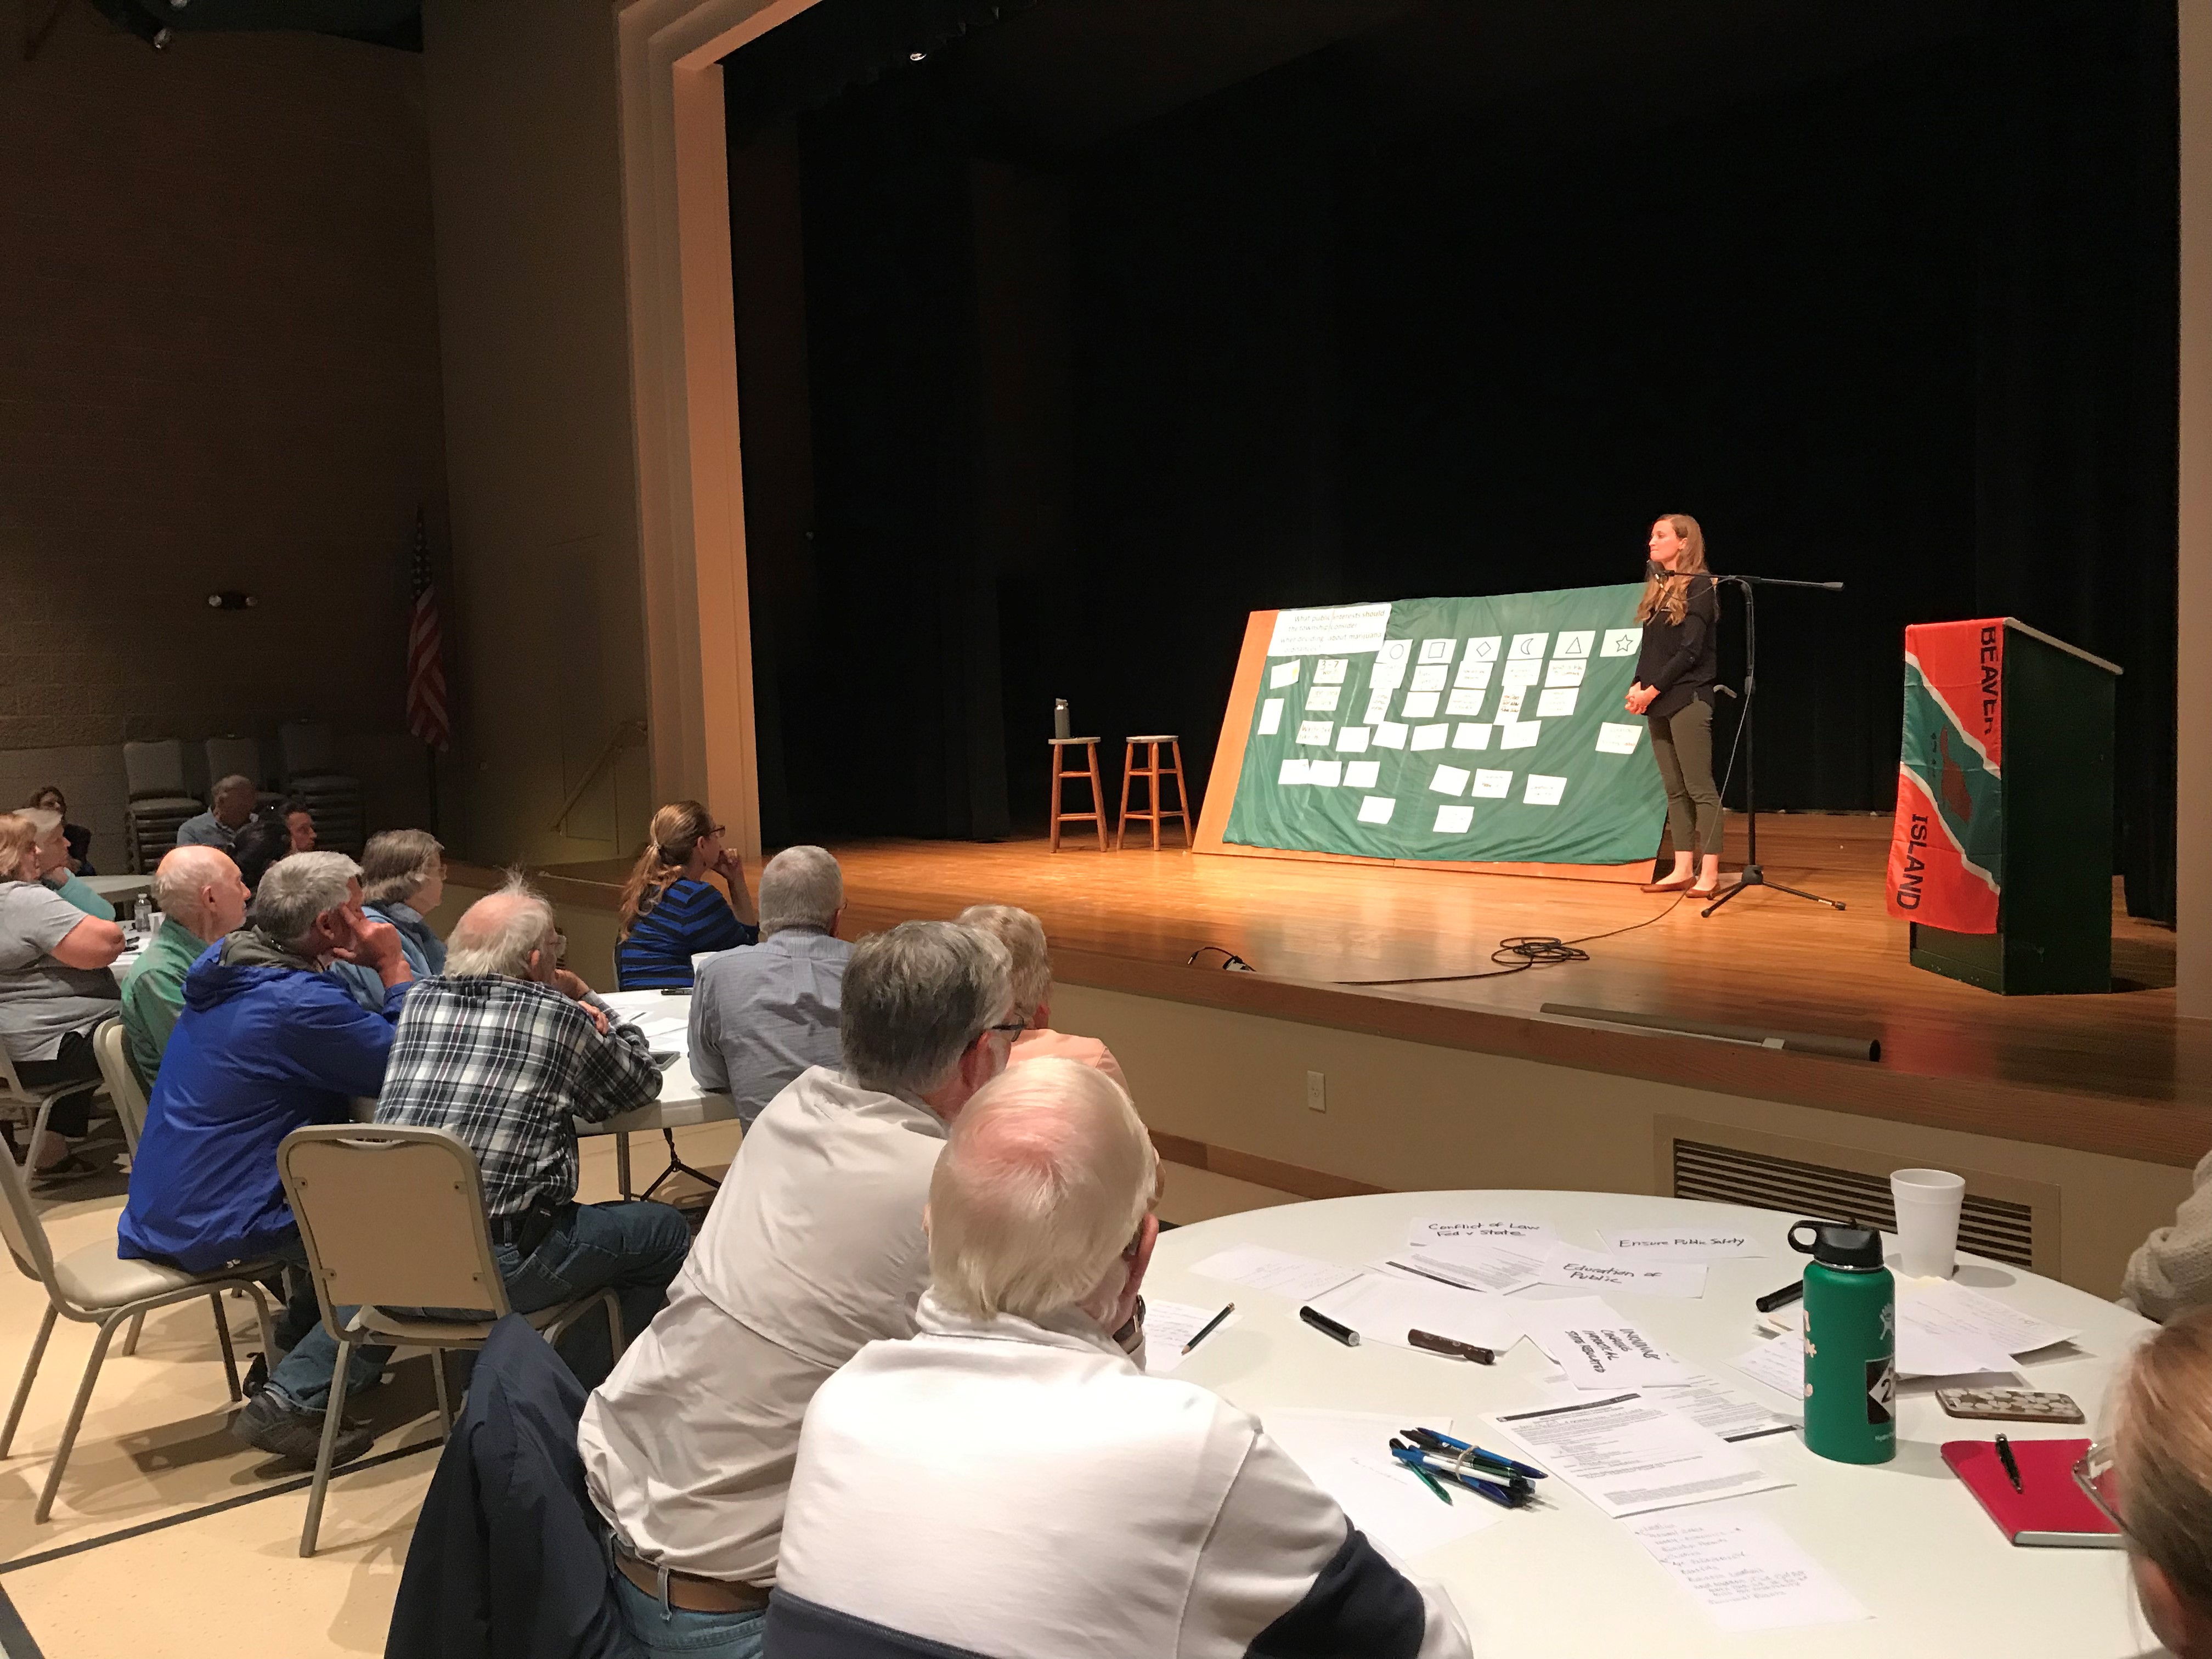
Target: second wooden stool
1152	772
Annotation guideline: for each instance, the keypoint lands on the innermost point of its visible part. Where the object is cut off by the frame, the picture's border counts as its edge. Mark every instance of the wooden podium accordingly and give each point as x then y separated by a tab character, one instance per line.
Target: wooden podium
2053	795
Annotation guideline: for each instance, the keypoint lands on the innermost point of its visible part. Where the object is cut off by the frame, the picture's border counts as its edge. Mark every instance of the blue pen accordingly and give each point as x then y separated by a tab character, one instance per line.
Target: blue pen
1489	1456
1510	1498
1412	1460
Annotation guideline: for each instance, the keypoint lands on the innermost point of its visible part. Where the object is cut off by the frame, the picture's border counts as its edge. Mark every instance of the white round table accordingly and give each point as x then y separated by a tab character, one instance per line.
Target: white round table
1905	1538
682	1103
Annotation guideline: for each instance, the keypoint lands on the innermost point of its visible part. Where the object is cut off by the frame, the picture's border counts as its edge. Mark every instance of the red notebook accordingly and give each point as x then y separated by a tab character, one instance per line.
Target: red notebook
2050	1508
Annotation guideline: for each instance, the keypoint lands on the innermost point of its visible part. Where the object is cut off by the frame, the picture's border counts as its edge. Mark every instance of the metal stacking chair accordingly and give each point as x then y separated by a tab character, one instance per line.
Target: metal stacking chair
393	1220
33	1103
95	1286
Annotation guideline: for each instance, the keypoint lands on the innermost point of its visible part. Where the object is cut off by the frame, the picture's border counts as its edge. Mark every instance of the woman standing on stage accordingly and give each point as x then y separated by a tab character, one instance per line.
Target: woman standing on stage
1675	673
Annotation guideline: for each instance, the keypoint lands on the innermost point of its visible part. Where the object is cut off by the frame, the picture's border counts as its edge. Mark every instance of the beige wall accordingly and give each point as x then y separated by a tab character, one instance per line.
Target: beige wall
2193	784
549	663
1411	1116
219	369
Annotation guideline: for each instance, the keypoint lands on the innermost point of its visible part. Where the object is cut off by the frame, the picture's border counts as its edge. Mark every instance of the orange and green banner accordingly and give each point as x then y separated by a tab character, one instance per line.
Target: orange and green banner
1947	851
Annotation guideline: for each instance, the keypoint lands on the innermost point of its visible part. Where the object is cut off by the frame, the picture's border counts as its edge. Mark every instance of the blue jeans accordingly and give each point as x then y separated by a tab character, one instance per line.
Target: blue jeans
718	1635
633	1248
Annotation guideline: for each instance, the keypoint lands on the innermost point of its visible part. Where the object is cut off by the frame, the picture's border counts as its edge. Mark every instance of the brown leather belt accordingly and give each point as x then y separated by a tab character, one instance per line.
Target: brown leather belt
689	1591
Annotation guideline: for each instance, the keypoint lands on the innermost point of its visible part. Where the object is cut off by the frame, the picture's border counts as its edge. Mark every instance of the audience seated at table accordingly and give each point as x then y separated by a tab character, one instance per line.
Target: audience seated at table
201	900
1019	1436
812	1248
669	913
299	826
230	807
403	877
507	1050
759	1018
1023	935
263	842
54	989
54	865
51	799
267	1043
2154	1478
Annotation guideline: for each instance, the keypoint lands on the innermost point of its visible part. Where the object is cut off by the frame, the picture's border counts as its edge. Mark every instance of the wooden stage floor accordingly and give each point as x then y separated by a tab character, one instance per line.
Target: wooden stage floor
1765	959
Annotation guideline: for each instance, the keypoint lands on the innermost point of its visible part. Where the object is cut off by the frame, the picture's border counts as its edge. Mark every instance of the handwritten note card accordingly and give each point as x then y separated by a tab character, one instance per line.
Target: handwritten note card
1271	717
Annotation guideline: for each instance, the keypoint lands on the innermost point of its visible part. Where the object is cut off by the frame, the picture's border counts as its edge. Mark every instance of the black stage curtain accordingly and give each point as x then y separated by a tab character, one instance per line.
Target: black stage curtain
1913	328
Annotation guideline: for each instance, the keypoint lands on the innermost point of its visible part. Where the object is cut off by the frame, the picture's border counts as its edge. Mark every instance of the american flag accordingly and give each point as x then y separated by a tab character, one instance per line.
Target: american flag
426	667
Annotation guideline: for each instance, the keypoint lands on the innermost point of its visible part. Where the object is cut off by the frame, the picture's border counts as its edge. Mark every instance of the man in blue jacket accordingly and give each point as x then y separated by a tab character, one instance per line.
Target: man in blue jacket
267	1043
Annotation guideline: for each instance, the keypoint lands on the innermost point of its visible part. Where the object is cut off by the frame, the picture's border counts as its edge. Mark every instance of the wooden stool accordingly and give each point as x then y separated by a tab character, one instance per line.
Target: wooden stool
1096	815
1153	771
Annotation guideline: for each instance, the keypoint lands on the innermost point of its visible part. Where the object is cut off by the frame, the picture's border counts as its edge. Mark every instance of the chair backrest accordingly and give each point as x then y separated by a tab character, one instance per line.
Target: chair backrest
12	1091
110	1041
154	769
234	756
25	1235
390	1215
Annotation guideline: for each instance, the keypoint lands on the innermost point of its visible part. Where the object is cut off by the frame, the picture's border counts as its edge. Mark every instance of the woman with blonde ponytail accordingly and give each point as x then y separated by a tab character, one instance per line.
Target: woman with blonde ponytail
669	913
2154	1478
1676	670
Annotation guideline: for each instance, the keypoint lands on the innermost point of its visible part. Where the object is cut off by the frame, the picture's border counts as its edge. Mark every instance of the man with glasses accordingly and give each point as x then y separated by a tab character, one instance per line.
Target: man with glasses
813	1249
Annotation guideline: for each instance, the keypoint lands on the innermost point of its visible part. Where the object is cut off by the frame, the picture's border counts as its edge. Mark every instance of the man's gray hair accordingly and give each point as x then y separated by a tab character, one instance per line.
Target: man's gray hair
395	863
297	889
504	946
1023	935
180	877
1044	1182
914	998
235	781
801	887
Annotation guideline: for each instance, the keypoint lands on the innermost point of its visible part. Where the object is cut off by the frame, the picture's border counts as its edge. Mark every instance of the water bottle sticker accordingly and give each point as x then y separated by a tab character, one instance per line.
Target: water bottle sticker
1881	1391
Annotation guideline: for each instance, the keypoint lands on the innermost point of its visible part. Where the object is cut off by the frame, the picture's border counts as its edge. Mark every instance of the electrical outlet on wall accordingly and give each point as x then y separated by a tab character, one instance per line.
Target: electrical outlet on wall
1316	1092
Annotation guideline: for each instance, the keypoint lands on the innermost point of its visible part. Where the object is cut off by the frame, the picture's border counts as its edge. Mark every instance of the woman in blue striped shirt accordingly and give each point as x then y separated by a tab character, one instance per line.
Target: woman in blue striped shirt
669	912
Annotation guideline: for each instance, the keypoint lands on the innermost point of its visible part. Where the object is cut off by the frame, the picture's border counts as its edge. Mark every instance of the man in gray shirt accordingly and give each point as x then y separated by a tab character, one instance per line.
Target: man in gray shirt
764	1013
233	801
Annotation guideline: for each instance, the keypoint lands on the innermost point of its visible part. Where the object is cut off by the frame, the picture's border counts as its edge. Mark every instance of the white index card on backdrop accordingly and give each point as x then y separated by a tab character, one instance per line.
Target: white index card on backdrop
1618	737
1492	786
1564	670
1430	676
1437	650
1621	642
1471	734
1420	705
1520	674
1324	774
1352	739
1378	707
1388	734
1483	648
1322	699
1455	820
1576	643
1557	703
1509	704
1517	734
1316	731
1362	774
1429	736
1378	809
1294	771
1282	674
1386	676
1527	646
1544	792
1449	781
1475	672
1466	704
1271	717
1330	671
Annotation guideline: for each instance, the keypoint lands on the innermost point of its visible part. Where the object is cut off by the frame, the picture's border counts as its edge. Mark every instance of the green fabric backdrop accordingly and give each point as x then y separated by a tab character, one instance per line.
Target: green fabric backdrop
1610	808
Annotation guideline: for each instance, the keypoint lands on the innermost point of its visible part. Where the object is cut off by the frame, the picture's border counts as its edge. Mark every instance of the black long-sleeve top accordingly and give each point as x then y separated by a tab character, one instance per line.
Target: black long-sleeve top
1681	660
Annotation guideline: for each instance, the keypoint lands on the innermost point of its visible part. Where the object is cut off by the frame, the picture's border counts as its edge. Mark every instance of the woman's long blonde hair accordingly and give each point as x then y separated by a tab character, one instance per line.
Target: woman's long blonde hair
677	829
19	838
1672	593
2162	1453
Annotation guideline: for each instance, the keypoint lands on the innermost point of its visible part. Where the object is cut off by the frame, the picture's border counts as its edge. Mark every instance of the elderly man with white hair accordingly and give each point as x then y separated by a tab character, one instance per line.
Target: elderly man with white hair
268	1043
762	1015
505	1050
1071	1503
813	1249
1023	935
201	899
230	805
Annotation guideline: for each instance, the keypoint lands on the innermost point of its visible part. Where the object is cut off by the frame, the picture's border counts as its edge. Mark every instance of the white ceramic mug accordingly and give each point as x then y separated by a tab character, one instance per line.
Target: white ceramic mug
1928	1204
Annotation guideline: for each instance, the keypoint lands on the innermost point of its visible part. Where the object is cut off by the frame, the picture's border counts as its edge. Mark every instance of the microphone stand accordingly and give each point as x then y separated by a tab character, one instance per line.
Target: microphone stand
1752	875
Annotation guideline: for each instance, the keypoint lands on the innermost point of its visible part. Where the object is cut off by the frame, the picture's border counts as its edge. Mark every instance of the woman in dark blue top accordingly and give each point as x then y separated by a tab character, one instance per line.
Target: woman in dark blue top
1677	669
670	913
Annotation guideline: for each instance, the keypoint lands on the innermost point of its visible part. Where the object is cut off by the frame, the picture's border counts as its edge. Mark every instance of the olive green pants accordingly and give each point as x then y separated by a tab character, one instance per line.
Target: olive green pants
1682	744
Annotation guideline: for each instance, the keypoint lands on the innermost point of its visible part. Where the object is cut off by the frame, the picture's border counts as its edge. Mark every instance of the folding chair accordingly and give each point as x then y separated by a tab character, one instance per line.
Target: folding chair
392	1218
33	1103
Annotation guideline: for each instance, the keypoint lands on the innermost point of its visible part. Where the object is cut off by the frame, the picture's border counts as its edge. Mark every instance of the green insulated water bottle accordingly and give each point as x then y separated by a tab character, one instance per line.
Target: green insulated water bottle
1851	1344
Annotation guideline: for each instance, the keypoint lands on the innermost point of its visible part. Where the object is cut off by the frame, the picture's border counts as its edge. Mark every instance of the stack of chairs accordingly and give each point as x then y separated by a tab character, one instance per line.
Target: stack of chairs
159	802
237	757
311	774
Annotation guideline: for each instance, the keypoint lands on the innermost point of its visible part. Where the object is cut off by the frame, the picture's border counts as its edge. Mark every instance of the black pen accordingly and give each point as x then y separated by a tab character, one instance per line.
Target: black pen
2011	1465
1207	1330
1781	1298
1327	1327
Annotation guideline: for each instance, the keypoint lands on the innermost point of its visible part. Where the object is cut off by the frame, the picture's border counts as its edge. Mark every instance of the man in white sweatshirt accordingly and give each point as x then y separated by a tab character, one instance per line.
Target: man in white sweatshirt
1007	1482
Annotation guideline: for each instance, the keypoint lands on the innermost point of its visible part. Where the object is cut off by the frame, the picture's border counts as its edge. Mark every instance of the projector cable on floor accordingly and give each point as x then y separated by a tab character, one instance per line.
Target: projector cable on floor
1521	953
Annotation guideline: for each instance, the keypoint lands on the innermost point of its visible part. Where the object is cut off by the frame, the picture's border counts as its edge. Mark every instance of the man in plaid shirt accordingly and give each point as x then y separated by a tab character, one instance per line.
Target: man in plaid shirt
504	1050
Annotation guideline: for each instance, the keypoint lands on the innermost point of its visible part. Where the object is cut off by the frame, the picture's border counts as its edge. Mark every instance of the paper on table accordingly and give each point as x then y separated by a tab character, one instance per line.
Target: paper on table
1471	734
1455	820
1704	1400
1322	699
1492	786
1282	674
1485	1263
1384	1307
1449	781
1362	774
1271	717
1430	678
1779	1363
1543	791
1557	703
1750	1573
1682	1244
1352	739
1429	736
1621	641
1388	734
1617	737
1300	1277
1420	705
1519	734
1438	1229
1598	1348
1324	774
1628	1454
1562	672
1570	1264
1974	1320
1346	1455
1466	703
1168	1325
1378	809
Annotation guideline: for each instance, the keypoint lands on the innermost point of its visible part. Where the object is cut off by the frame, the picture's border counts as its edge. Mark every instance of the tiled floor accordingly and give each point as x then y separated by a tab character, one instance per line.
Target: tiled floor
229	1583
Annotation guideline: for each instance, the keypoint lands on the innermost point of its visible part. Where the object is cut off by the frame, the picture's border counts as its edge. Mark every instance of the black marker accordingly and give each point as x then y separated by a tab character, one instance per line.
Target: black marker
1327	1327
1780	1298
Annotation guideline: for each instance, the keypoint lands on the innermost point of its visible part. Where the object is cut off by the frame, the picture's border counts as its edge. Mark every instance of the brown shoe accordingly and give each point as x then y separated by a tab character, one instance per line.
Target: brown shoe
1677	884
